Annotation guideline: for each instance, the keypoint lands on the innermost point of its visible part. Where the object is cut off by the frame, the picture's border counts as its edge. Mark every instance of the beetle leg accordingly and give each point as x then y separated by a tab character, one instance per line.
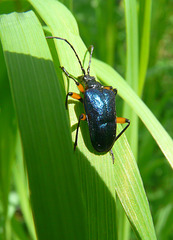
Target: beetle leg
115	91
113	158
108	87
111	88
80	87
82	117
73	95
122	120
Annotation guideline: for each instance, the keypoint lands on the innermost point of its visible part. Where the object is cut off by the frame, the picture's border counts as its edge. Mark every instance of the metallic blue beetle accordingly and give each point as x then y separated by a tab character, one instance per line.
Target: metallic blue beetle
99	104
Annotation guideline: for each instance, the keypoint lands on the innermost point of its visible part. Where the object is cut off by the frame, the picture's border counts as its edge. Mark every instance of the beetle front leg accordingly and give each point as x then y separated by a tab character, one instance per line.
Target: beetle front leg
80	87
73	95
83	118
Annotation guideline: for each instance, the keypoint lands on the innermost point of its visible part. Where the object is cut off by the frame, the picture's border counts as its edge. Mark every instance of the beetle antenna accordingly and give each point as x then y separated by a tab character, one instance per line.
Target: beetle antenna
91	53
83	70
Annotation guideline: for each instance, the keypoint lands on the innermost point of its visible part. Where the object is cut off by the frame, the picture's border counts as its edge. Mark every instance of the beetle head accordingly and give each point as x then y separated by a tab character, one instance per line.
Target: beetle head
89	81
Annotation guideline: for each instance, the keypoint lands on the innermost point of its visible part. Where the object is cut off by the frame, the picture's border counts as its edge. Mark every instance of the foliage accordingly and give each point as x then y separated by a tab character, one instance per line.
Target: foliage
74	194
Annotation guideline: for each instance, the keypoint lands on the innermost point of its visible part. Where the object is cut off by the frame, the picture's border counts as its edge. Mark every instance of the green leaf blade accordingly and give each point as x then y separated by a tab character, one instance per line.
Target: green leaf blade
145	17
44	129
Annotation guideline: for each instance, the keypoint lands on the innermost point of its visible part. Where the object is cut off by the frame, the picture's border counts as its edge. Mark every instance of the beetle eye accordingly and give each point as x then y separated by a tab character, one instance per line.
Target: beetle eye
85	78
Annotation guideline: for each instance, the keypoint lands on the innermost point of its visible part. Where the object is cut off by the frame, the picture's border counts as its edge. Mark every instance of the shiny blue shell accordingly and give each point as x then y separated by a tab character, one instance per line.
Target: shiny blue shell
99	106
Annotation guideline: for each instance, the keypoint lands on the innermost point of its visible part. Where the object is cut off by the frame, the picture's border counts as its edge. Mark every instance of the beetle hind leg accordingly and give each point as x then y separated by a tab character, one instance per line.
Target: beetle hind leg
112	155
83	118
122	120
111	88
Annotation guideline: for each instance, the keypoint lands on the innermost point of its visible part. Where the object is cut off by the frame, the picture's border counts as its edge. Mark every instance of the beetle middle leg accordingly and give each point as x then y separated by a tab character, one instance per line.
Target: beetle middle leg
73	95
83	118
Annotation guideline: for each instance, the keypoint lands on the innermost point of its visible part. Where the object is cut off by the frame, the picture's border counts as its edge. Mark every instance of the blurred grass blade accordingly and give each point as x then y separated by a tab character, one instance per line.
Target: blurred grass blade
132	70
164	221
109	76
8	130
132	79
144	23
56	200
100	176
20	179
132	43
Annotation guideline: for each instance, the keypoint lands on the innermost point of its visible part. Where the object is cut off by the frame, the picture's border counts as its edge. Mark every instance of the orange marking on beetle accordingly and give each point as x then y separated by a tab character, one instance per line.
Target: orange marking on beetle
81	88
120	120
84	117
76	96
108	88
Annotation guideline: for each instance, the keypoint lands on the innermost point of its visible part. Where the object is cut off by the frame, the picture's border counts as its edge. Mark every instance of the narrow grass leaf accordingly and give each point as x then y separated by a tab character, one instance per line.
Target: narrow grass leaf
20	181
132	69
145	23
8	130
132	79
132	43
56	200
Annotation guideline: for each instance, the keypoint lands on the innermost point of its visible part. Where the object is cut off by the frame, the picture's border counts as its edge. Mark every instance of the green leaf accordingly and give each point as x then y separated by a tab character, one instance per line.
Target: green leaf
145	19
132	43
8	130
20	181
55	196
132	79
132	69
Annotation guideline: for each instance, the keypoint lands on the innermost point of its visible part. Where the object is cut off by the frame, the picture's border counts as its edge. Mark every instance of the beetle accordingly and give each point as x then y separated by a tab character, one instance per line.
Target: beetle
99	105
